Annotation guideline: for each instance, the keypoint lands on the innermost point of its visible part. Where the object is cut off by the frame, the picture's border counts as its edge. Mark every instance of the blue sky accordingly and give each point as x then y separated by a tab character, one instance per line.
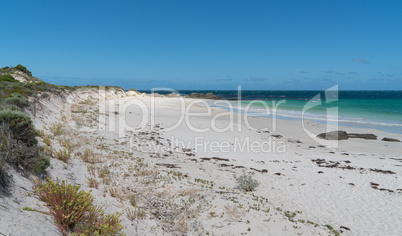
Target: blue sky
216	44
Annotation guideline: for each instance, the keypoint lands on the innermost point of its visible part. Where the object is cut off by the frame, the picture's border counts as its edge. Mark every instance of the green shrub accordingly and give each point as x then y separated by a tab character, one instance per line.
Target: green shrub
5	69
19	88
41	163
3	177
23	69
73	209
20	126
24	89
8	78
67	203
247	183
10	107
17	153
17	101
28	86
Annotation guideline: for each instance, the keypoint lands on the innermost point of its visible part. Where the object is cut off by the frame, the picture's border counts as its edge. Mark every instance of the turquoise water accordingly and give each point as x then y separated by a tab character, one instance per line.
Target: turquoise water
380	110
381	114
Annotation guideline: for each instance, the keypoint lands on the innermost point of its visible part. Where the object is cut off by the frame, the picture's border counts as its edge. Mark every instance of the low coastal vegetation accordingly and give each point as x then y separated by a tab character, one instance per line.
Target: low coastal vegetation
19	67
247	183
18	145
20	91
18	82
74	211
8	78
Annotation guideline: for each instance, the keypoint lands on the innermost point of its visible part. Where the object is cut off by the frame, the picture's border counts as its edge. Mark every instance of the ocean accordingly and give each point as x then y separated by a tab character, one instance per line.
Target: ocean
381	110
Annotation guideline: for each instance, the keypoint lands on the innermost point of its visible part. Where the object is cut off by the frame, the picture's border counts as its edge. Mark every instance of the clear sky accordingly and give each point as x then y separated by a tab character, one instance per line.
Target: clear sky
207	44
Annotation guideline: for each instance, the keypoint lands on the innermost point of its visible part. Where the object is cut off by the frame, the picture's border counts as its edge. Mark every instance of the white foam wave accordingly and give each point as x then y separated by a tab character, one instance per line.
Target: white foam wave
313	116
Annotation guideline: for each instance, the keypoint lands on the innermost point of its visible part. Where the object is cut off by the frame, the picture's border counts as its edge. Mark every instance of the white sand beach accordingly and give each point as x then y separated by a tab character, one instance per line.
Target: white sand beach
182	172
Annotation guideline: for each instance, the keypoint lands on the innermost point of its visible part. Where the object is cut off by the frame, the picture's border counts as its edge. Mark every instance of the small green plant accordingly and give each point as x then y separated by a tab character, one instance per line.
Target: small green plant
105	174
68	144
329	227
41	163
247	183
96	222
47	141
56	129
63	155
89	157
132	200
49	151
92	170
104	171
74	211
134	214
40	133
28	209
93	183
114	192
32	209
332	230
290	215
87	153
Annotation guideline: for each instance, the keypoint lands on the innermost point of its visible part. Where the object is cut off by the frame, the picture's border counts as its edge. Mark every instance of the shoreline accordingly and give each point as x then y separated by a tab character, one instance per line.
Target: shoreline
345	120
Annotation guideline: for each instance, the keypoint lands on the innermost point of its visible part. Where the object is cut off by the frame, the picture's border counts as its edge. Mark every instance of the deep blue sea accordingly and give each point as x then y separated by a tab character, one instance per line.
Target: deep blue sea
380	110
